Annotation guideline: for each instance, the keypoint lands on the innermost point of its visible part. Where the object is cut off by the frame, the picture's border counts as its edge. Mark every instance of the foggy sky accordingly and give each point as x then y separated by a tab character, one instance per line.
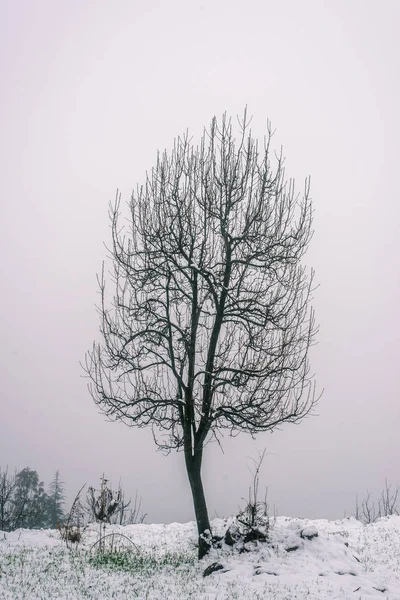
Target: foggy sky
89	91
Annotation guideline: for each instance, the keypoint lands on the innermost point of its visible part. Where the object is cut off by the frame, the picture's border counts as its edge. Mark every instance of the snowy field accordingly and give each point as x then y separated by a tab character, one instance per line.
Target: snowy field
346	560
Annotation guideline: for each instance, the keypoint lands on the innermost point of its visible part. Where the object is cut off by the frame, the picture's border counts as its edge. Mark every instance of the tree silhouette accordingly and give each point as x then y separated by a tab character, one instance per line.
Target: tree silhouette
210	324
55	502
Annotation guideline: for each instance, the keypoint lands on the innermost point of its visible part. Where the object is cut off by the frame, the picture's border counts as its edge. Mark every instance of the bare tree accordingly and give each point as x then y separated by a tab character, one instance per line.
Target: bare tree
128	514
210	323
70	530
388	500
102	504
368	511
254	517
119	517
136	515
7	490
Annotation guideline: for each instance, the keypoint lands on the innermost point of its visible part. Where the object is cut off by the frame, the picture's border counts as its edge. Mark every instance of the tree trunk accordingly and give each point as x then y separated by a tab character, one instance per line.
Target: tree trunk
193	467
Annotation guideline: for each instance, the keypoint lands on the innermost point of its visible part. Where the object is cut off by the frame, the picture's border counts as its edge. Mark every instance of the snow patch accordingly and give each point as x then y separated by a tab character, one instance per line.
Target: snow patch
344	557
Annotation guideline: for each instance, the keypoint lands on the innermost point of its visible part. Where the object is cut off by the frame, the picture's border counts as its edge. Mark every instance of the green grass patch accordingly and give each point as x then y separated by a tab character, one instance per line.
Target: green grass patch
138	561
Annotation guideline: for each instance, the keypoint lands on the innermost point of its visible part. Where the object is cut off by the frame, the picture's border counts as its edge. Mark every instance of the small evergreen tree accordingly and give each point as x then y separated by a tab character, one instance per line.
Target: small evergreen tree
55	502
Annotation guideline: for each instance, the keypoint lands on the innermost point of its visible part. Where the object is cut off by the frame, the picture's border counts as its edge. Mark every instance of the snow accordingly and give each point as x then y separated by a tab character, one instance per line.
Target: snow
309	532
346	560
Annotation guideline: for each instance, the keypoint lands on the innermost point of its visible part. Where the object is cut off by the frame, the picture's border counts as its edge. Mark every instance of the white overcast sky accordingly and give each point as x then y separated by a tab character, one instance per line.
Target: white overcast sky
90	89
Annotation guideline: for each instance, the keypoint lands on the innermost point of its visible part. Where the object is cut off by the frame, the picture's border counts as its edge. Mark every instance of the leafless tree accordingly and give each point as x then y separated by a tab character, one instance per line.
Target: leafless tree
70	530
256	512
102	504
119	516
369	511
388	500
210	324
128	513
357	511
7	489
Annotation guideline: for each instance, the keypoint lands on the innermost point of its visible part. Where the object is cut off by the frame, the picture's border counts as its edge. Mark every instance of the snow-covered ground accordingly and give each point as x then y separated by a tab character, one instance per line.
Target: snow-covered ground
346	560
